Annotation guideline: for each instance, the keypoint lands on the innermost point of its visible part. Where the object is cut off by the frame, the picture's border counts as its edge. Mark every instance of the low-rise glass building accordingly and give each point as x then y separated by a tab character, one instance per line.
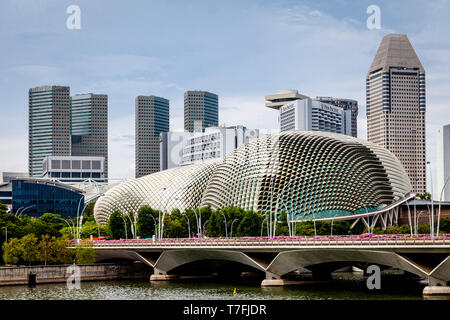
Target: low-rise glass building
35	197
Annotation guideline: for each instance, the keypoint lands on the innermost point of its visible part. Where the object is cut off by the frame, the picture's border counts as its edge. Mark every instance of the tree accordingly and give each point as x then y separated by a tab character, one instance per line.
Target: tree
88	214
39	228
46	250
189	212
67	232
63	254
305	228
145	225
250	225
424	196
445	225
3	208
116	225
12	251
54	220
216	225
29	248
175	225
85	254
89	228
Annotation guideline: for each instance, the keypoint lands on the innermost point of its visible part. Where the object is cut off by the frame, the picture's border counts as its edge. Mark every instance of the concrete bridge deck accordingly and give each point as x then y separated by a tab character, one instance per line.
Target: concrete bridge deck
276	258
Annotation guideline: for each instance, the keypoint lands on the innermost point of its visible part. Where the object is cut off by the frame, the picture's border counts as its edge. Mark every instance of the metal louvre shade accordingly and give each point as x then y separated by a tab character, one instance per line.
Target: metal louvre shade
176	188
309	173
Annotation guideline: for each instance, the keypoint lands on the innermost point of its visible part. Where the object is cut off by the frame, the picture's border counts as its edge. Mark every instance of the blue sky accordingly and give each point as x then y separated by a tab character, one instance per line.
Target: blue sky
241	50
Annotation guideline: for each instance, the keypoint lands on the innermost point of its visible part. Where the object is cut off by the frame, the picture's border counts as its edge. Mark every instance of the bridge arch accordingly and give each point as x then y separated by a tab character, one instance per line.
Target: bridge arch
288	261
172	259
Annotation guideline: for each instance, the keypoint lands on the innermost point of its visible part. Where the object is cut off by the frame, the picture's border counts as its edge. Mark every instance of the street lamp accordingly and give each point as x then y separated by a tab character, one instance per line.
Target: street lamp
125	223
188	224
440	200
71	227
154	223
225	222
287	216
25	210
18	210
262	225
133	231
164	212
432	204
159	214
231	235
409	218
205	225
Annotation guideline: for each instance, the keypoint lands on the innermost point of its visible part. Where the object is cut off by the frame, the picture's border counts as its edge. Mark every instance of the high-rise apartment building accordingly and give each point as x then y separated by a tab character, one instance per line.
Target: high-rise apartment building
90	126
152	118
395	93
443	168
201	110
282	97
48	125
312	115
346	104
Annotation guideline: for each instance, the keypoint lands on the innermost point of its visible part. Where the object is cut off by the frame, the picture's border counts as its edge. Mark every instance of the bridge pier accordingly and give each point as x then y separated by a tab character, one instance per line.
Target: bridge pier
160	275
436	287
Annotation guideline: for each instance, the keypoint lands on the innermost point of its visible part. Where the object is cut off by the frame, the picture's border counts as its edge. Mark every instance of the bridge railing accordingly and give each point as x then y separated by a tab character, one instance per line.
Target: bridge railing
391	240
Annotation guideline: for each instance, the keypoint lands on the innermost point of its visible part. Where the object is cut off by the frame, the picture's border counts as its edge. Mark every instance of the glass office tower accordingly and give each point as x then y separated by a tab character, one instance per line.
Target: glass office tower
48	125
152	118
89	121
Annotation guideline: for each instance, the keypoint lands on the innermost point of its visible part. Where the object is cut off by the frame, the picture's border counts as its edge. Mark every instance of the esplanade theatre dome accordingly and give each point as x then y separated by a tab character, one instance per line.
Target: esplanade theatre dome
309	174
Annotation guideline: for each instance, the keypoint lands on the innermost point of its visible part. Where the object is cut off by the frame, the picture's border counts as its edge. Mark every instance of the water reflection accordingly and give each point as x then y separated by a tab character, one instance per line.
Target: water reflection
343	286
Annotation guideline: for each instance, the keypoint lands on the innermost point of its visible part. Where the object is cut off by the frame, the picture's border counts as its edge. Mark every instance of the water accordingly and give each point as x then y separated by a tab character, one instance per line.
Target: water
347	286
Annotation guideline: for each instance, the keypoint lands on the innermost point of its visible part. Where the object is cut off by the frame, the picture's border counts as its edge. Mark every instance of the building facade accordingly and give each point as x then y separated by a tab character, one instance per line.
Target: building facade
171	148
152	118
35	197
282	97
313	115
183	148
201	110
48	125
90	126
74	169
346	104
308	174
395	94
443	168
215	143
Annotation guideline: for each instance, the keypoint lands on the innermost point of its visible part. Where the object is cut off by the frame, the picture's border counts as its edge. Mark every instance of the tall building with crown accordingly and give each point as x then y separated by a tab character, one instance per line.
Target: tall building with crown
395	105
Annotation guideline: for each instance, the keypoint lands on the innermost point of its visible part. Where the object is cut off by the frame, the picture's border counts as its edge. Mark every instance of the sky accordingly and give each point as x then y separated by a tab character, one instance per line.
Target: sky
240	50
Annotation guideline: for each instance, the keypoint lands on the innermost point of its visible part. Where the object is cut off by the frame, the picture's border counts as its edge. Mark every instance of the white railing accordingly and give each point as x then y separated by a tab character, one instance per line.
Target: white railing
393	240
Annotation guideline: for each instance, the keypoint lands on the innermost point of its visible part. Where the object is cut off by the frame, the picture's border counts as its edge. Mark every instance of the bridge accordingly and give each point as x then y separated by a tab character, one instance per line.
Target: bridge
279	257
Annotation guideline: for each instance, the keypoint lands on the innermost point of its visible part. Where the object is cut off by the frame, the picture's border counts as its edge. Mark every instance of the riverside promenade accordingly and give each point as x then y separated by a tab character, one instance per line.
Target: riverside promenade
31	275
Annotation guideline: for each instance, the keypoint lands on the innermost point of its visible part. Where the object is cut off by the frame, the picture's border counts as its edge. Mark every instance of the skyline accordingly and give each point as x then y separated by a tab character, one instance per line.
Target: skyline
243	65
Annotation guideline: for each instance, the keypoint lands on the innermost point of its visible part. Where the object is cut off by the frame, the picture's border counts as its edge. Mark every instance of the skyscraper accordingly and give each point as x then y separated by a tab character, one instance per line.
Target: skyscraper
443	168
152	118
201	110
395	89
346	104
48	125
90	126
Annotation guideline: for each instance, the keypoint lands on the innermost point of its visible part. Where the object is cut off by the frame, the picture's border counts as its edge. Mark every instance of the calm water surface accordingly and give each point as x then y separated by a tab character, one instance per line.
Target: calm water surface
347	286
